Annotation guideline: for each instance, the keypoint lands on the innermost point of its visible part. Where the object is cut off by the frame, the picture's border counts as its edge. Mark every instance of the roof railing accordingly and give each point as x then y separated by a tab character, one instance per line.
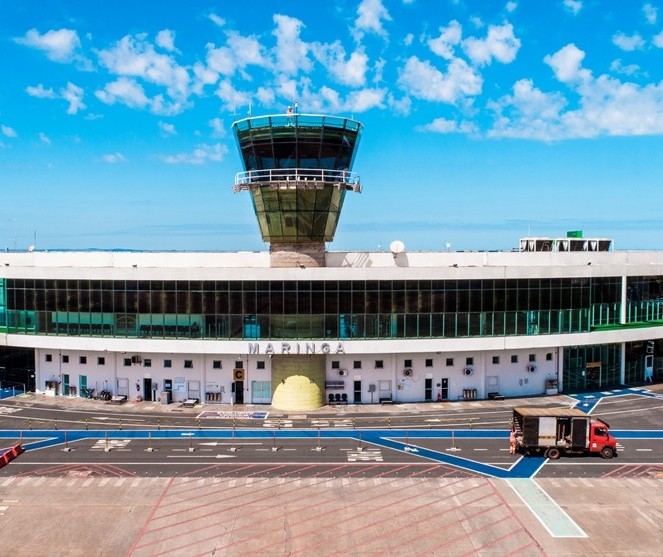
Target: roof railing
297	178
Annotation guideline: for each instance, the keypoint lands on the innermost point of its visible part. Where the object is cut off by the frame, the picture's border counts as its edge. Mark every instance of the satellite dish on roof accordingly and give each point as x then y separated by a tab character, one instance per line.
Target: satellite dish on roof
31	249
396	247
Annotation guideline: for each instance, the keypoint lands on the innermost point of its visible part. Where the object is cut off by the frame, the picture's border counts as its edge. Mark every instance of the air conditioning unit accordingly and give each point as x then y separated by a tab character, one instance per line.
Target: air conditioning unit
531	368
343	372
407	372
136	360
467	371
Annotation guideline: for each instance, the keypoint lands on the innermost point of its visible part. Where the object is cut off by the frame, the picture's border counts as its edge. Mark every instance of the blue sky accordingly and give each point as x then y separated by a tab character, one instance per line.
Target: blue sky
485	121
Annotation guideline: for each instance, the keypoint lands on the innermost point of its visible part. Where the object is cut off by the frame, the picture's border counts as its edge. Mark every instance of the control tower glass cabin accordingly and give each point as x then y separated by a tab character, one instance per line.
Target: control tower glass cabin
298	168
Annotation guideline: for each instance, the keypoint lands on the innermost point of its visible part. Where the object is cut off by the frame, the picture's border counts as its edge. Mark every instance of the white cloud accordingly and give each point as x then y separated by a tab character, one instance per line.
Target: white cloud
232	98
265	96
220	61
217	127
59	45
166	40
332	56
291	52
40	92
8	132
201	154
528	113
113	158
449	38
500	43
407	41
135	57
370	15
628	42
365	99
422	80
511	6
247	50
125	91
218	21
44	138
442	125
606	106
203	76
167	128
378	68
630	69
651	13
658	40
566	64
74	96
71	93
401	106
573	6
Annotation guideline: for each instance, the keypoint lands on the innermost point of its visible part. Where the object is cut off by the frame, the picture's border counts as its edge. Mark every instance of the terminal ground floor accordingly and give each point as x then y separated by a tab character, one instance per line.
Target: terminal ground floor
293	381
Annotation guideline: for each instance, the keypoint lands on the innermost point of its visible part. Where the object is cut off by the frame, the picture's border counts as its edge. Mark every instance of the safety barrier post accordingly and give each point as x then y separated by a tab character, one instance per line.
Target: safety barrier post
149	443
67	448
319	447
233	447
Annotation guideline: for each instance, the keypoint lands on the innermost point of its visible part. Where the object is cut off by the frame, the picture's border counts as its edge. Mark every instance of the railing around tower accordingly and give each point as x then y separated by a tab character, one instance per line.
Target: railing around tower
297	178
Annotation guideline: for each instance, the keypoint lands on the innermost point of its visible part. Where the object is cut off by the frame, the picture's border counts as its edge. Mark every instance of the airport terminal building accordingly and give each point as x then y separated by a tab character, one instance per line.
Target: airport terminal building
299	326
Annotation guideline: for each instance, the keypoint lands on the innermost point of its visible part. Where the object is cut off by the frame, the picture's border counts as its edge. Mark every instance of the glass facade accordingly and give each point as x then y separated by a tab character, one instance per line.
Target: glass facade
311	309
588	368
297	169
297	141
644	299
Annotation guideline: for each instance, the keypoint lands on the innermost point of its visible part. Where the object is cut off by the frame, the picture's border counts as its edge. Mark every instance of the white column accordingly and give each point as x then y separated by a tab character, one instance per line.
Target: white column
622	309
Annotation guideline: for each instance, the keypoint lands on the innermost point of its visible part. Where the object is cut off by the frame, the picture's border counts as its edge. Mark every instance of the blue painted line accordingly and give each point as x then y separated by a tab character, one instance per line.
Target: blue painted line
525	467
588	401
437	456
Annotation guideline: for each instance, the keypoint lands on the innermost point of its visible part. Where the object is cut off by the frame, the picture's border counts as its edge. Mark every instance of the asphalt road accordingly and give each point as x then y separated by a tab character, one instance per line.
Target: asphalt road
431	479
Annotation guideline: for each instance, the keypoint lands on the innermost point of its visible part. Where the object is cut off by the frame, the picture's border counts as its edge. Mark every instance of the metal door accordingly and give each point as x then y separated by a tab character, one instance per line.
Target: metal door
357	392
238	392
147	389
444	389
65	384
428	389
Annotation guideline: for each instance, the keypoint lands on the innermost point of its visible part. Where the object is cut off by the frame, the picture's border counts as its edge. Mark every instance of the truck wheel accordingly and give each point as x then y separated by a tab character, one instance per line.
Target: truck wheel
607	452
553	453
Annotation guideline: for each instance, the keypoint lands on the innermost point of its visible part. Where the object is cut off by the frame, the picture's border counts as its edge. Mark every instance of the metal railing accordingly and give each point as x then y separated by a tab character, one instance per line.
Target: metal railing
297	177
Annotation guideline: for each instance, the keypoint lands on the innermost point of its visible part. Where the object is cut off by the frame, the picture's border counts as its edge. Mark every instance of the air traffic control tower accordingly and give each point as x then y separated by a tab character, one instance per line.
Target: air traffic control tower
298	168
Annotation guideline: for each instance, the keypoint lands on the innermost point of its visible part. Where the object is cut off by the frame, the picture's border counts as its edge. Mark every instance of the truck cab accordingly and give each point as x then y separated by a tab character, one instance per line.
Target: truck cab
600	440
